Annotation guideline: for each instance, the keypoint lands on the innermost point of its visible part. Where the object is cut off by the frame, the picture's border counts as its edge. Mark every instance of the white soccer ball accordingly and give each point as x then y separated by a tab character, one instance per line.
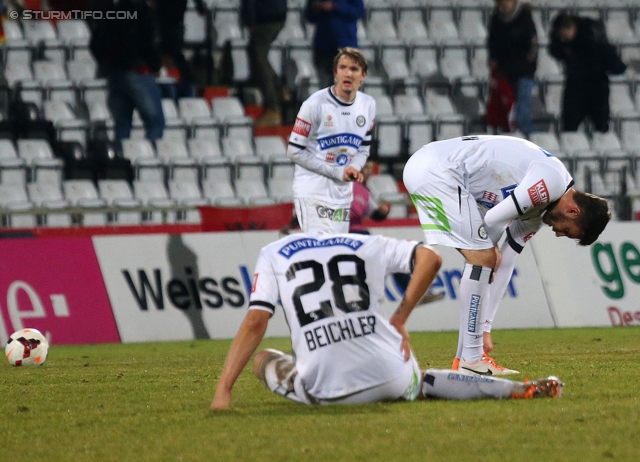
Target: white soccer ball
27	347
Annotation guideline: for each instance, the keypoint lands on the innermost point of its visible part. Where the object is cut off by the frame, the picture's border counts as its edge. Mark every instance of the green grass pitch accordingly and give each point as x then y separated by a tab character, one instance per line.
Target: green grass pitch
150	402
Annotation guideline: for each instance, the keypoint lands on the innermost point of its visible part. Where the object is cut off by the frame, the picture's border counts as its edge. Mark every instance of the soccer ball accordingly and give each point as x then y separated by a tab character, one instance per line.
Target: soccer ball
27	347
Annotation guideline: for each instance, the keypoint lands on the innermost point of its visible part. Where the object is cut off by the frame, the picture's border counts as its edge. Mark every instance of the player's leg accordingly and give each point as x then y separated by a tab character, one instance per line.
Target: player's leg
405	387
278	372
449	384
474	294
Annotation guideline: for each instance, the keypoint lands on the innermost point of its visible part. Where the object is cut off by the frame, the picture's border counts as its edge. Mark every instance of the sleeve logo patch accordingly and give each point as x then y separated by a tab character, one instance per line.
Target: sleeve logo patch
255	283
538	193
302	127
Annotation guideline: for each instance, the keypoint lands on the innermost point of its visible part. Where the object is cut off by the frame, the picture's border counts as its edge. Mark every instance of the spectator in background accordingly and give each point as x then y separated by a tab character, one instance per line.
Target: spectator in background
336	23
513	54
581	44
128	57
363	205
170	14
264	19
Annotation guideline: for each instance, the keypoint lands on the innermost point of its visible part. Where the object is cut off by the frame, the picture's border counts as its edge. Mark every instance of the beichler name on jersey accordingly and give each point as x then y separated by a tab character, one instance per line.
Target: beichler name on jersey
340	330
341	139
309	243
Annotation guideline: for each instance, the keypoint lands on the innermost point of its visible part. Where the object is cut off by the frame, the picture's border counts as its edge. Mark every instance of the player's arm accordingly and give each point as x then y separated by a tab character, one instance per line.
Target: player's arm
426	265
263	300
306	123
243	346
541	185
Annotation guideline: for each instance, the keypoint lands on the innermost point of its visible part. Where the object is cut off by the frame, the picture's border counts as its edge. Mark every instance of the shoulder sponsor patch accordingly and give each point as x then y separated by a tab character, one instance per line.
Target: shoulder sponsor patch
302	127
538	193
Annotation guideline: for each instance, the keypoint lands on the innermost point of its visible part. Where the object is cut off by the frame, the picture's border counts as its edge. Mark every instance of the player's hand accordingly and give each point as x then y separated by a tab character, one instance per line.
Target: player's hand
351	174
221	400
384	208
405	348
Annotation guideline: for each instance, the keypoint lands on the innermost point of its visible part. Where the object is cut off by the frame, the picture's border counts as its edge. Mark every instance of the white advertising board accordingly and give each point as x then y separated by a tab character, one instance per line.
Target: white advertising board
597	285
181	287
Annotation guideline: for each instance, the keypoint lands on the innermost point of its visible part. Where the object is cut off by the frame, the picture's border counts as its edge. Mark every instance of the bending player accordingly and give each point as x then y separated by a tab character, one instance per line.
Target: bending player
520	186
346	349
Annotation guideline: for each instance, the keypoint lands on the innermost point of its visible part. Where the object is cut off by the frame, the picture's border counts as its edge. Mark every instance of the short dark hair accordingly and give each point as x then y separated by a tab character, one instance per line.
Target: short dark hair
352	53
594	216
563	20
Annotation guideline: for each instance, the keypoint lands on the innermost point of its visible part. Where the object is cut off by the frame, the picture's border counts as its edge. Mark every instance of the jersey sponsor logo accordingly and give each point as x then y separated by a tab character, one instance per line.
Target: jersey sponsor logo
341	139
468	378
328	121
474	311
338	215
360	121
538	193
302	127
330	157
528	237
255	283
346	113
337	331
303	244
482	232
506	191
488	199
342	159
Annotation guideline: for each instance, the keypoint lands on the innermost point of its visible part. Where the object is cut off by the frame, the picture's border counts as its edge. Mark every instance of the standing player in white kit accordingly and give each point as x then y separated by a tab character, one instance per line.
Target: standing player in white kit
330	145
467	192
346	350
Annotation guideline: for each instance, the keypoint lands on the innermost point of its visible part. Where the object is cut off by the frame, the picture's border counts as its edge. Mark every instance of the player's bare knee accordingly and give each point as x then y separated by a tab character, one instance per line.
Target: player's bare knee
259	364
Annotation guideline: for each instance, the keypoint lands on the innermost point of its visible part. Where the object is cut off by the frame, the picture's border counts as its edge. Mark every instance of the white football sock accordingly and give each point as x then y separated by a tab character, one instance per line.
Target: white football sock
448	384
501	280
474	292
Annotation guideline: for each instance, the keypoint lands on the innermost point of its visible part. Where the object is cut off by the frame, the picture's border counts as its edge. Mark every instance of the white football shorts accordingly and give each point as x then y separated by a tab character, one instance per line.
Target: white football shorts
322	217
448	213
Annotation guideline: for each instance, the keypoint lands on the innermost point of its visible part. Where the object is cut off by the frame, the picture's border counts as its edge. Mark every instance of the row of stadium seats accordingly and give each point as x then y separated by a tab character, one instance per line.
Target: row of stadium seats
113	201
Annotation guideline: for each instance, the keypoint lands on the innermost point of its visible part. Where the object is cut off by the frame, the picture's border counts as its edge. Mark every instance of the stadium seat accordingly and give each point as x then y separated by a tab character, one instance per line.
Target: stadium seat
269	146
201	149
118	193
13	198
42	164
419	131
13	169
179	165
280	189
187	193
220	192
472	26
146	165
292	29
154	194
83	193
383	187
411	28
236	147
49	196
253	192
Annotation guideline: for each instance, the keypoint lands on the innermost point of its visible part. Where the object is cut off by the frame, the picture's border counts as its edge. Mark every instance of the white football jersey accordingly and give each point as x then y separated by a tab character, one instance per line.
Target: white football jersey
494	166
335	133
331	289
